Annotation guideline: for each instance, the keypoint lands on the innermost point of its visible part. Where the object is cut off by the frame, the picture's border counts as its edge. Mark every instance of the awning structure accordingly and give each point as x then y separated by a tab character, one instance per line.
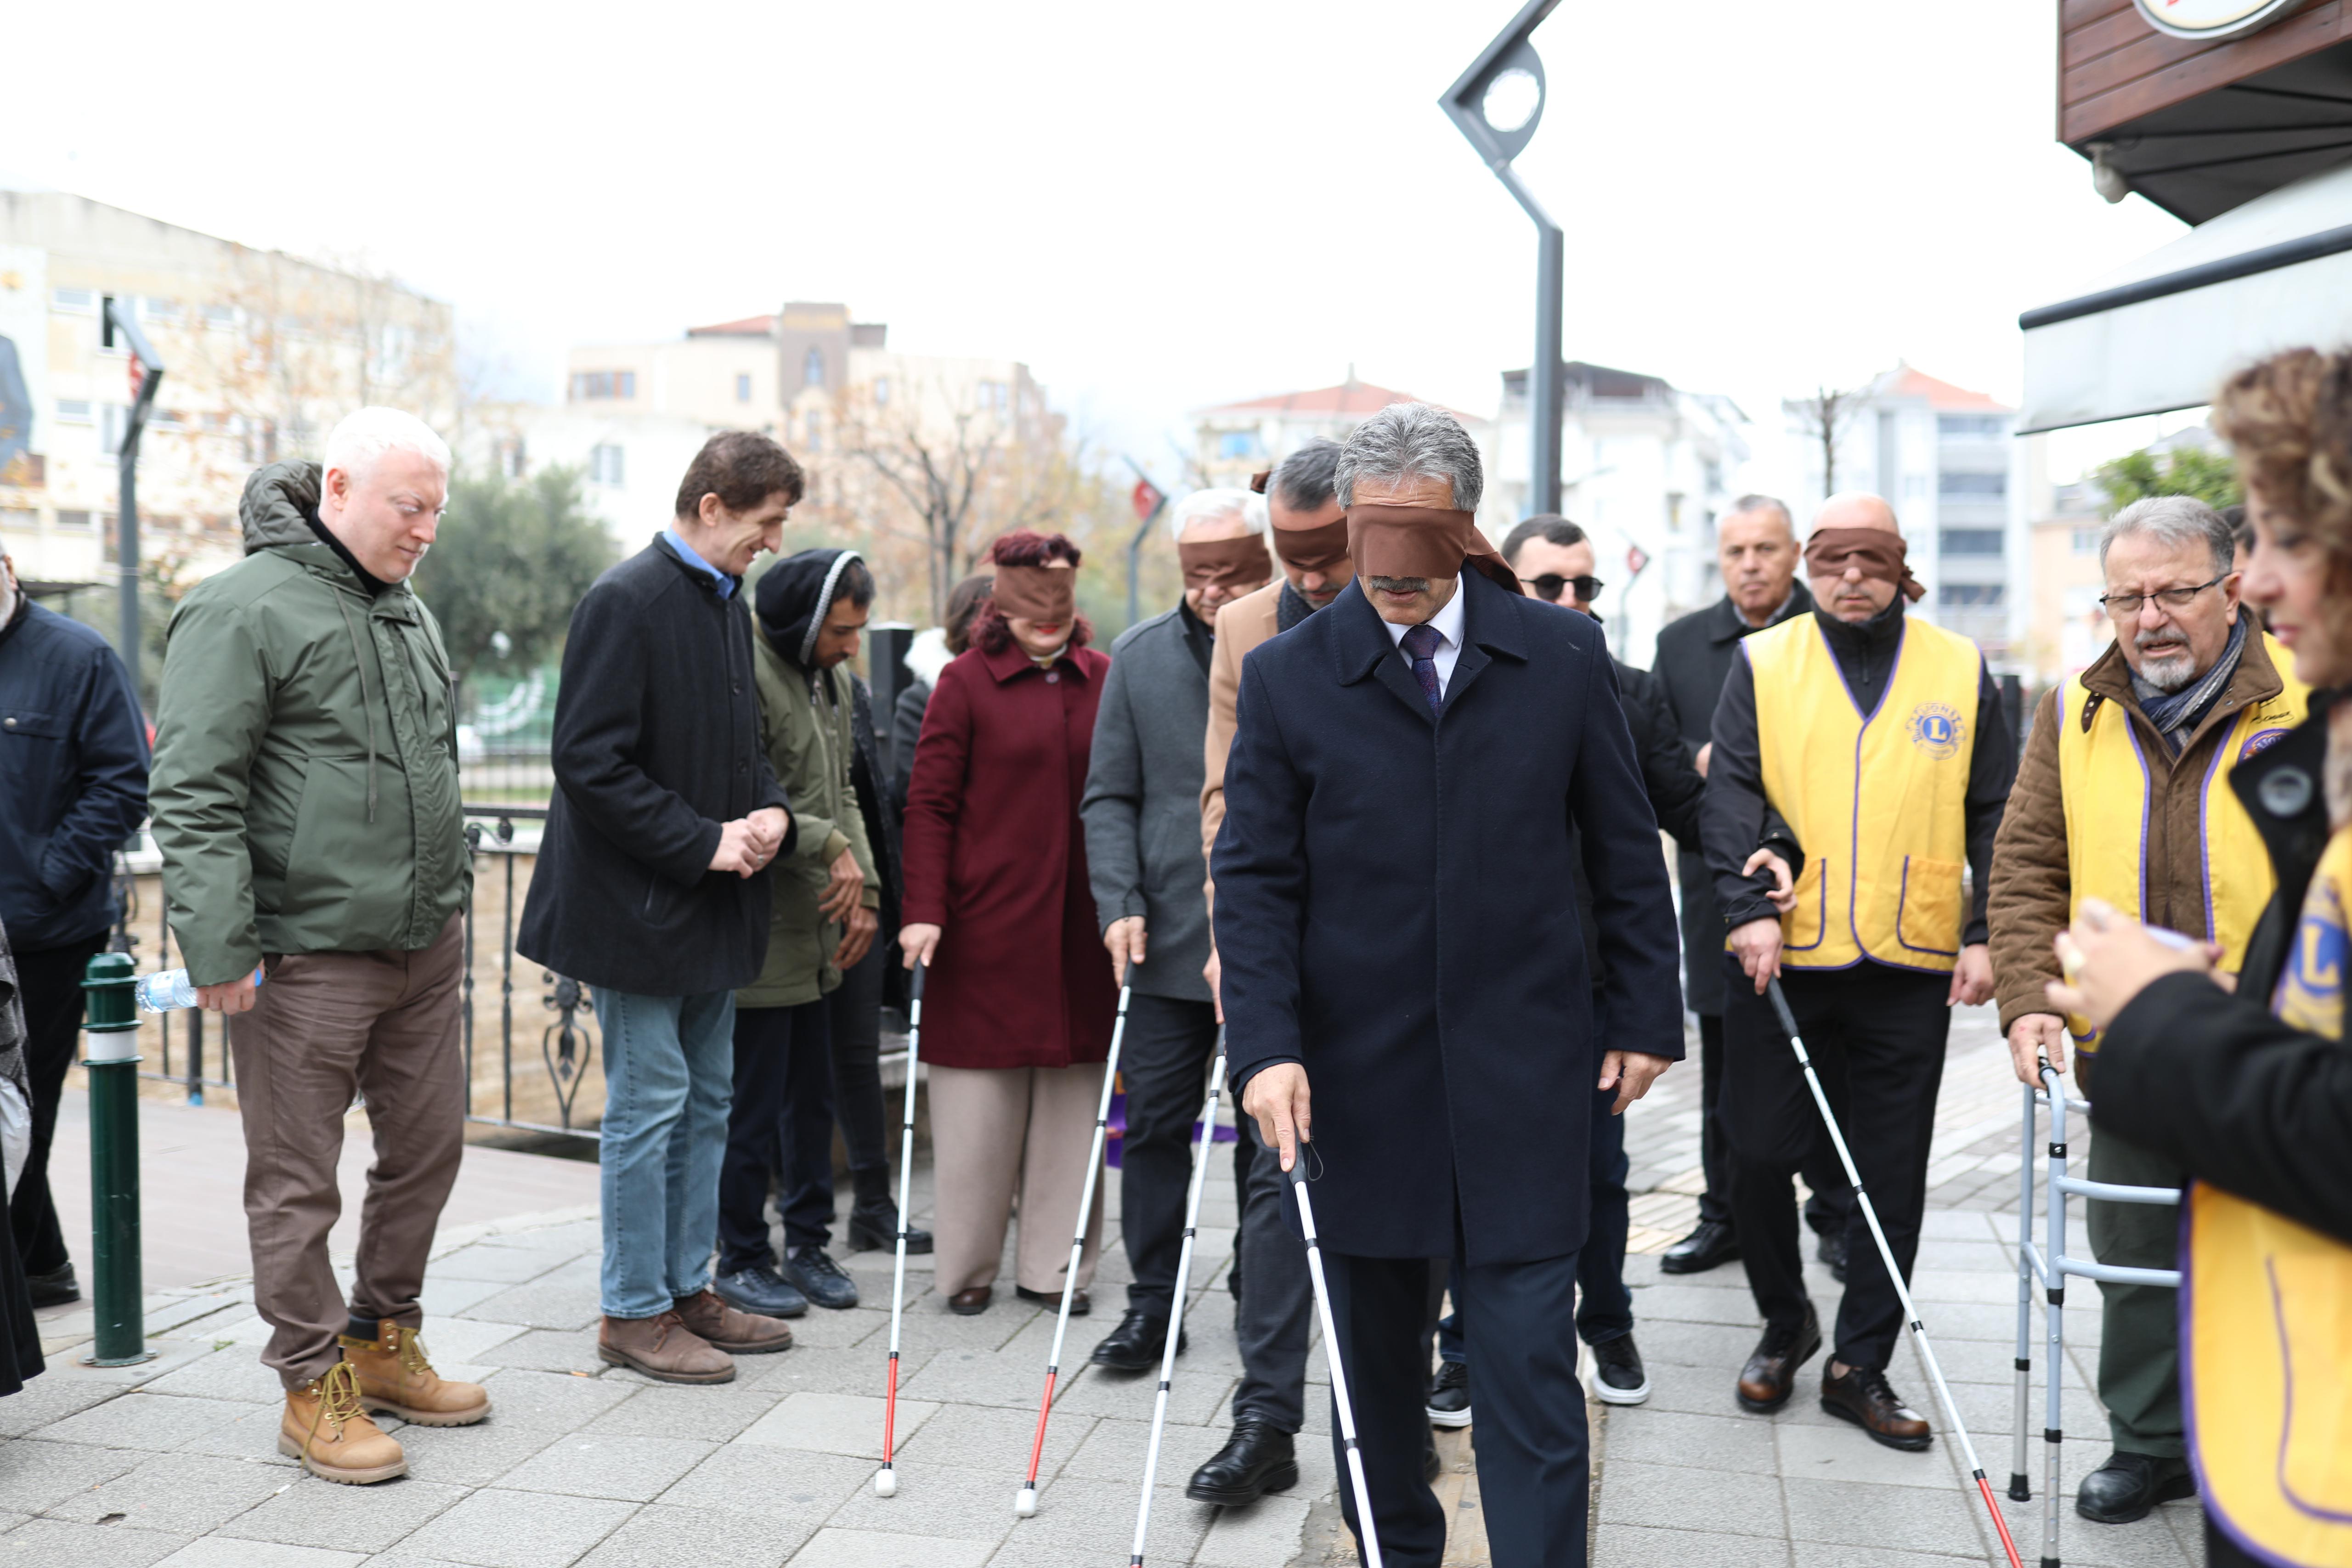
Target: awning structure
2159	334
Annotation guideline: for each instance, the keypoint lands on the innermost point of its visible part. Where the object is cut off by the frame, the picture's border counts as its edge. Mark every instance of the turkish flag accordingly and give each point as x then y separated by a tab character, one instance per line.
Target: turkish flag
1636	558
1147	498
138	375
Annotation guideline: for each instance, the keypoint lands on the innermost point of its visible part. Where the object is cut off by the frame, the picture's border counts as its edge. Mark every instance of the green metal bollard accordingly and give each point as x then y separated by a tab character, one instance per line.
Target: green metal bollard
110	1018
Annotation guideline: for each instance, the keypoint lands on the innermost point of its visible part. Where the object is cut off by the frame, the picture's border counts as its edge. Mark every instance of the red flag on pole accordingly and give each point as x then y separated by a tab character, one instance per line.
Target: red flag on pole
138	377
1147	498
1636	558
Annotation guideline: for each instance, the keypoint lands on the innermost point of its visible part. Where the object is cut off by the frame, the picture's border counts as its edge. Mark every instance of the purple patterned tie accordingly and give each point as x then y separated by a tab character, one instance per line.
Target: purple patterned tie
1421	644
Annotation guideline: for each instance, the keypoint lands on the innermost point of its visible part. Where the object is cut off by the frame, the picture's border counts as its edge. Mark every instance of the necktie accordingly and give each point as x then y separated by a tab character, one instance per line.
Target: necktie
1421	644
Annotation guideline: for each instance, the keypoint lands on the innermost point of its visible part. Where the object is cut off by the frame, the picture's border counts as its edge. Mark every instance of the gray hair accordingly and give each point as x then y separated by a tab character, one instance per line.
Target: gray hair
363	436
1758	503
2174	520
1412	439
1200	506
1303	480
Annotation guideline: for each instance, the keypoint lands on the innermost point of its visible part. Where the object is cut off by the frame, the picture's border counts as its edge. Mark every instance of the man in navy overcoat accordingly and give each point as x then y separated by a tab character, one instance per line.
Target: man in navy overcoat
1397	917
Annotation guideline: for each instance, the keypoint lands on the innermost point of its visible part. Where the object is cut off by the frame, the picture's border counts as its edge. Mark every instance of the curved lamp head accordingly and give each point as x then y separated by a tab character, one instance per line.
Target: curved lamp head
1499	102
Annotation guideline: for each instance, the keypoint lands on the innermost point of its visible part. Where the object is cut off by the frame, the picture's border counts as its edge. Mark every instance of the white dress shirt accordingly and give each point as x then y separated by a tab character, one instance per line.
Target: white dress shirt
1447	623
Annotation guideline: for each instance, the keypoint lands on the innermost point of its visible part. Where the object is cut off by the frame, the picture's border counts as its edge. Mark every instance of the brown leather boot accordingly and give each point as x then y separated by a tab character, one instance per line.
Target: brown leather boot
664	1349
326	1428
394	1375
737	1332
1861	1394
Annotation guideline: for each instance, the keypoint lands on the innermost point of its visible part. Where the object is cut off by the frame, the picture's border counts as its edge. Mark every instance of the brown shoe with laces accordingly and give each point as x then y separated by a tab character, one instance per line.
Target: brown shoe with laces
1861	1394
393	1375
664	1349
735	1331
327	1429
1770	1375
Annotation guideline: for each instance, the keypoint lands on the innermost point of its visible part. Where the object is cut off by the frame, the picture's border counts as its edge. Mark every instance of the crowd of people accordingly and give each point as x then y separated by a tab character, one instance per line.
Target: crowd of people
1372	809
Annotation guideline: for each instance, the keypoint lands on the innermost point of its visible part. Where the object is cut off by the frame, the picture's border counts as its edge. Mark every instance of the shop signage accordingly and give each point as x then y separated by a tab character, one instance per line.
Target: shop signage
2210	19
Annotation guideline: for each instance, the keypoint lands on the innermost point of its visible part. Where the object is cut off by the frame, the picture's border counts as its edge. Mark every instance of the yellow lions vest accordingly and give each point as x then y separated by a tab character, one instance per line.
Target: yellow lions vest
2106	785
2266	1314
1876	799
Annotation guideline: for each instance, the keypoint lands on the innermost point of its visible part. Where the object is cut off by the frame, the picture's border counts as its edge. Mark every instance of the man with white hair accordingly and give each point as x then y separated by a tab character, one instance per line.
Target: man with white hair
1143	859
305	799
2124	795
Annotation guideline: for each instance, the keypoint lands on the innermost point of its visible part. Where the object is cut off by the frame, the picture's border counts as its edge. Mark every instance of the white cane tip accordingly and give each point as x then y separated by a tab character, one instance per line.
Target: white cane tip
886	1484
1024	1503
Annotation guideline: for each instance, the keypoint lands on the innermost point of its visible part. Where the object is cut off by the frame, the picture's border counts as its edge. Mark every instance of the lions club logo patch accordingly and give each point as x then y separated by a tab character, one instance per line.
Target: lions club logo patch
2260	741
1936	728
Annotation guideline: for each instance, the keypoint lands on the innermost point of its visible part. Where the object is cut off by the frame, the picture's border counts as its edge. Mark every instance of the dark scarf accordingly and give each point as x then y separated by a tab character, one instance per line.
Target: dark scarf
2177	715
1290	607
373	585
1199	638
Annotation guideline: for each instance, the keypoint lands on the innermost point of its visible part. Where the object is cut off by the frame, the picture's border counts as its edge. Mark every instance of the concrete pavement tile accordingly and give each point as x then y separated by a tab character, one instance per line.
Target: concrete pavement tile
822	1330
55	1544
2151	1543
928	1327
984	1435
1672	1497
217	1551
35	1475
944	1501
1846	1453
450	1298
312	1512
667	1410
252	1437
502	1265
1114	1451
836	1423
1815	1554
1985	1360
543	1303
1697	1442
1639	1546
659	1537
878	1548
183	1494
1265	1535
1720	1345
1988	1287
47	1400
633	1469
519	1529
520	1397
865	1369
235	1374
1908	1519
168	1355
1990	1410
1694	1390
1959	1225
1972	1257
1993	1323
988	1378
470	1456
543	1350
1196	1399
791	1486
1693	1304
1090	1520
465	1340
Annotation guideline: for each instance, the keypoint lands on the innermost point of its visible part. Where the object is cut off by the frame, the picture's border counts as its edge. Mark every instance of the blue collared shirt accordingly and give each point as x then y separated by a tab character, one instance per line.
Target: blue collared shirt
685	552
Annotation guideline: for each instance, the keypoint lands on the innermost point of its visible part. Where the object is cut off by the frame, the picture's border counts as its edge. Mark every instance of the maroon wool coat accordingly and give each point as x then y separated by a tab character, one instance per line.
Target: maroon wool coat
997	857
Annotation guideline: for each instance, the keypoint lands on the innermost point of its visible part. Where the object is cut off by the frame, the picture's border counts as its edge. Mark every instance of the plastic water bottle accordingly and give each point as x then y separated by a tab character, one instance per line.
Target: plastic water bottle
170	992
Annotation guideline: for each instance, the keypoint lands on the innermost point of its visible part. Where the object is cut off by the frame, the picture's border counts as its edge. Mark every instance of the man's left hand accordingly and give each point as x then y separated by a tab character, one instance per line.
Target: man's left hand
768	825
1972	976
1630	1073
856	938
2110	959
844	883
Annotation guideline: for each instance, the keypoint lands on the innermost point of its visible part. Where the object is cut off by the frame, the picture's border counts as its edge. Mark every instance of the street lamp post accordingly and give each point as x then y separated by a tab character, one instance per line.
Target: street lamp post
1497	103
147	374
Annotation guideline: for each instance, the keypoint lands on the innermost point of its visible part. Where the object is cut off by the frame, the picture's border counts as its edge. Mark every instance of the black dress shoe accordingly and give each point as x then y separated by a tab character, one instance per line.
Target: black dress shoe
1831	1252
820	1278
1080	1303
1137	1345
1257	1459
53	1288
760	1290
2129	1485
1618	1377
1861	1394
1770	1375
1712	1244
1449	1396
873	1227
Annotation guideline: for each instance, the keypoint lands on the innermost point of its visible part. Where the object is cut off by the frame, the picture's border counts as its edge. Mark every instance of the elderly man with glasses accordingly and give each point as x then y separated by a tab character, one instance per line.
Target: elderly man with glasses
2124	795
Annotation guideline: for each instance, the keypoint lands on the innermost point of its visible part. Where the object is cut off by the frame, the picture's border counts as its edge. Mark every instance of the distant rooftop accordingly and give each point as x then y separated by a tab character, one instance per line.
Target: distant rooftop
1941	395
800	316
749	327
1351	399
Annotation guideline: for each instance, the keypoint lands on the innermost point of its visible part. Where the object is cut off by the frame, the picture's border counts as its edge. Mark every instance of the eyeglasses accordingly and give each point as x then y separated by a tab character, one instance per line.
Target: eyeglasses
2123	606
1548	586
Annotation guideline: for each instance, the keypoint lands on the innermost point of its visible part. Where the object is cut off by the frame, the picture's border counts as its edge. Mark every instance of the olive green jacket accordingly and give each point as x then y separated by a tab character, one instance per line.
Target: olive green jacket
805	723
305	785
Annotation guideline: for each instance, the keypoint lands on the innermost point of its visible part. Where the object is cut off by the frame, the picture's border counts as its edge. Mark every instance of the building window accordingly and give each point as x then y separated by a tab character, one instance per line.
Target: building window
993	396
82	301
597	386
220	315
604	463
156	310
1970	541
743	389
19	520
75	522
1971	424
512	458
1986	486
73	411
812	440
881	391
813	368
1969	595
2086	541
1237	444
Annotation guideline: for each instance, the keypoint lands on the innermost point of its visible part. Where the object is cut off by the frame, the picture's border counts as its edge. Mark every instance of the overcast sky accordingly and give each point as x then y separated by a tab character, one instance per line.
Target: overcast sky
1157	207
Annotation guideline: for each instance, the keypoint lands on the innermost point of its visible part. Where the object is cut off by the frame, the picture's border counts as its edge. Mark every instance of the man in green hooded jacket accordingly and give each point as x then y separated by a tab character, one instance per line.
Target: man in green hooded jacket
305	799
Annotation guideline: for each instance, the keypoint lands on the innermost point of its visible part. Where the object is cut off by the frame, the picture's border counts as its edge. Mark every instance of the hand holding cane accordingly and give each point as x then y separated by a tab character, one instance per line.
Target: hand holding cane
885	1480
1887	1255
1340	1400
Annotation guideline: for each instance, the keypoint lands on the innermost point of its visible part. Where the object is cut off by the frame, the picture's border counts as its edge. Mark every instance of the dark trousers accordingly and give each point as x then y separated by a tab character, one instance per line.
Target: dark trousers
1829	1207
1534	1479
854	1016
1881	1029
1277	1299
1164	1065
51	986
780	1128
2220	1552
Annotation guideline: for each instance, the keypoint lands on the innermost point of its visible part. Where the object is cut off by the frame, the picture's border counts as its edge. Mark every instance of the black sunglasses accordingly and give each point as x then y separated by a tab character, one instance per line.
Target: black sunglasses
1548	586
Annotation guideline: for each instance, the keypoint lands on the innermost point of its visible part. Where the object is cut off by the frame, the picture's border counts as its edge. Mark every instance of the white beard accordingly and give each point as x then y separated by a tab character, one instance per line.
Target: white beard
2169	672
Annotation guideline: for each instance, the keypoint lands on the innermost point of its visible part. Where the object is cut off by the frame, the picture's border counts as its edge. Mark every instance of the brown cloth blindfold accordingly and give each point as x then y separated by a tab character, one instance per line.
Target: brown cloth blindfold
1316	549
1228	563
1421	541
1040	593
1880	555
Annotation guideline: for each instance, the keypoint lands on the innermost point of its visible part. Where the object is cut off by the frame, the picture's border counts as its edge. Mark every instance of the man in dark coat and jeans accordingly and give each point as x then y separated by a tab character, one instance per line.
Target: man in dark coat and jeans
73	786
649	889
1414	775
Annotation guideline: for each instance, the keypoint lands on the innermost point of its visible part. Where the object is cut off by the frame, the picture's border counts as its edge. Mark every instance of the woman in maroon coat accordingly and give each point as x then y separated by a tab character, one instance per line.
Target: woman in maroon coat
1018	1007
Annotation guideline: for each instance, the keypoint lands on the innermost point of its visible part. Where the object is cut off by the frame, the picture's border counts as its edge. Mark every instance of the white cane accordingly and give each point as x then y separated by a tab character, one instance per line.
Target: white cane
1025	1502
885	1480
1886	1257
1338	1365
1176	1310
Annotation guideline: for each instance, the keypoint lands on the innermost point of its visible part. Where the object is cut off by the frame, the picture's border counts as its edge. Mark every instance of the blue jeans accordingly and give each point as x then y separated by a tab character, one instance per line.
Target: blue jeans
1604	1307
670	1064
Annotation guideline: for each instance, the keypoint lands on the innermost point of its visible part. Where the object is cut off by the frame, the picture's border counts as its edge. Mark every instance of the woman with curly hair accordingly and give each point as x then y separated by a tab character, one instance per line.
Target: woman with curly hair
1019	1004
2251	1092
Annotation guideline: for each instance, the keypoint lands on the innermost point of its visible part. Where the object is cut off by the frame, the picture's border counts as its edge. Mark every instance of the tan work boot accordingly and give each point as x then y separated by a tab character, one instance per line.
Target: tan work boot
664	1349
325	1428
735	1331
394	1375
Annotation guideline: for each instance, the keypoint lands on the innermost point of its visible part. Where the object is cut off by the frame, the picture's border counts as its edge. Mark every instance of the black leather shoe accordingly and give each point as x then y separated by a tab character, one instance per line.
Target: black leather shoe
1618	1377
1137	1345
1861	1395
820	1278
1831	1252
1770	1375
1449	1396
2129	1485
1712	1244
53	1288
873	1227
760	1290
1257	1459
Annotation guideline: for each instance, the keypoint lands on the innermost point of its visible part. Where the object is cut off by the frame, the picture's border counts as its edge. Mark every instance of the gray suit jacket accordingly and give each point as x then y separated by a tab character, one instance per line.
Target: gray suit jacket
1142	806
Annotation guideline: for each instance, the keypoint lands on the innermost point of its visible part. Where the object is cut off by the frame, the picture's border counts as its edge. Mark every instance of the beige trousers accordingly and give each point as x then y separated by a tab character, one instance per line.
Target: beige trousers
1003	1136
323	1026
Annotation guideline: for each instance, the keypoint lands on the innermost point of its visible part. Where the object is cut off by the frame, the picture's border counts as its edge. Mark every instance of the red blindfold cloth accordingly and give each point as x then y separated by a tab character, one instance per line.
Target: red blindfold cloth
1421	541
1879	553
1045	594
1229	563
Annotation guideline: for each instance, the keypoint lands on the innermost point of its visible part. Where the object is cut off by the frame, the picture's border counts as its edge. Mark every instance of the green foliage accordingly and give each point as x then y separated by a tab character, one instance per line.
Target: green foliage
512	558
2211	476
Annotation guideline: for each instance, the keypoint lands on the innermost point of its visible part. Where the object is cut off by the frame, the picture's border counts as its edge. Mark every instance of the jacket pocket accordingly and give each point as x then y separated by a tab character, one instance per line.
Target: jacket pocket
348	881
1928	920
1803	927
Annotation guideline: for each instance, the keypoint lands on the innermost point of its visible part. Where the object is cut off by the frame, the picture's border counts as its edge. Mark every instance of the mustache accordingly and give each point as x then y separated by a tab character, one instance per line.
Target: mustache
1399	584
